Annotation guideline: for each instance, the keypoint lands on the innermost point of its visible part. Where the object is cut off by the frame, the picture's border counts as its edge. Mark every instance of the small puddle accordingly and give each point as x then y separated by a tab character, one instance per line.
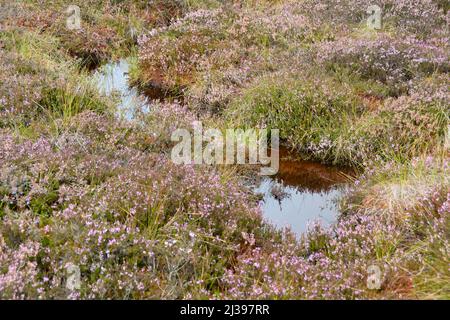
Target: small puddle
112	78
302	192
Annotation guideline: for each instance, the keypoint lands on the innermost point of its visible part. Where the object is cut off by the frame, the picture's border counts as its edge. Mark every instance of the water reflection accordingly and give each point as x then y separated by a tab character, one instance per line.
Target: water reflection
302	192
112	78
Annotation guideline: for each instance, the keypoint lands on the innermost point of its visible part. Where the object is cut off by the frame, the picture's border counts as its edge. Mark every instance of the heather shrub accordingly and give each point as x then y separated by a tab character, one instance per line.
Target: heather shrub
409	126
91	46
415	197
136	224
81	186
211	54
421	17
337	269
332	123
165	119
107	28
396	221
15	99
50	99
51	85
390	61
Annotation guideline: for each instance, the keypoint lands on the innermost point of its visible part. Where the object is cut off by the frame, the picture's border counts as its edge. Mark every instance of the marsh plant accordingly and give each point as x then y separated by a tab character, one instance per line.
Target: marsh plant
92	205
238	144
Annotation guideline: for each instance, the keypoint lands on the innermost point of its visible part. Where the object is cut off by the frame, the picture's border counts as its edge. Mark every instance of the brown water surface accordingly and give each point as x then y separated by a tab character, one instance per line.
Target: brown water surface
302	192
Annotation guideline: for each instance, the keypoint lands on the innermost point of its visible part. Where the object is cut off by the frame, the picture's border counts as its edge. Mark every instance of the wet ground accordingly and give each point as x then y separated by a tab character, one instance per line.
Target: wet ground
113	78
302	191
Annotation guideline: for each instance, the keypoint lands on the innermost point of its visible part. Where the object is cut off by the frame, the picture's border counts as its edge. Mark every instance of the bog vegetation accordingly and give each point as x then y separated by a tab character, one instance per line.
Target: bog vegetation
80	185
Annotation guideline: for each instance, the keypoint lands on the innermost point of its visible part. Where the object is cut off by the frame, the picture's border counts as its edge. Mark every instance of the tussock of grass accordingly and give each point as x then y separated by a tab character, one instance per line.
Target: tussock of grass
327	121
414	198
78	185
56	86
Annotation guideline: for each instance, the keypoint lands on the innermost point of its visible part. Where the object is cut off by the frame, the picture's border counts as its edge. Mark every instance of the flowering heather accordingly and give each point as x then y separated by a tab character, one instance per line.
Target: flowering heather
214	53
123	215
304	110
82	187
388	60
421	17
379	227
107	29
17	91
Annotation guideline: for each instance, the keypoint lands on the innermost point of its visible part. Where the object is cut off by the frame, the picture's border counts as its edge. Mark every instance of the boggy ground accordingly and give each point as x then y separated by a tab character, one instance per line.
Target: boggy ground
82	186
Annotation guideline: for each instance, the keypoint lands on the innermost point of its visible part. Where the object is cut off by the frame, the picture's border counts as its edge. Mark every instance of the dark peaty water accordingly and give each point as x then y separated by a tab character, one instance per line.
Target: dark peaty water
301	193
